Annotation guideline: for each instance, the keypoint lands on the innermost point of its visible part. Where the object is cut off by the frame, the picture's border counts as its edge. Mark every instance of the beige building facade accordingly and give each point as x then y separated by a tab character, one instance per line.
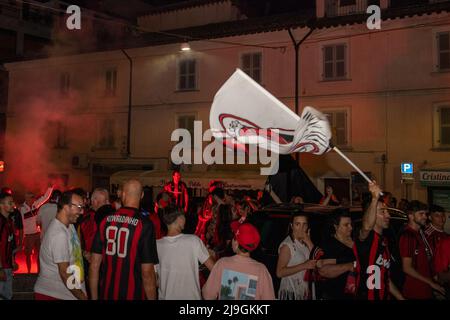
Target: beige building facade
385	91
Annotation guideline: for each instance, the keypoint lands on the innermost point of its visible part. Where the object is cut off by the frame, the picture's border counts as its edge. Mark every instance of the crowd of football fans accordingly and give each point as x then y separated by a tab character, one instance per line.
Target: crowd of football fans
129	246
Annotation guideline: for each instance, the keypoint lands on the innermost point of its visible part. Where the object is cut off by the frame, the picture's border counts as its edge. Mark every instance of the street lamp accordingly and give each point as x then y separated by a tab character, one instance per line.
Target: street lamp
297	65
185	46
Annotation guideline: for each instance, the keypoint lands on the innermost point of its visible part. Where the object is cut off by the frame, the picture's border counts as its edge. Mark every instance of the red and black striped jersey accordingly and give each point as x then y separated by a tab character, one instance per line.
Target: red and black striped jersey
6	242
373	263
88	229
126	241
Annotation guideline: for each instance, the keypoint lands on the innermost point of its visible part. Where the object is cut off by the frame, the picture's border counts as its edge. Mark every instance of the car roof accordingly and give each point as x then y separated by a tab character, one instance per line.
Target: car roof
288	208
314	208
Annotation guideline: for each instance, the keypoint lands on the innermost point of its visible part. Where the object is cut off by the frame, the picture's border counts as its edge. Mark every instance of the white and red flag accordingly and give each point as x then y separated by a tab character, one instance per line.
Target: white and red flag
244	113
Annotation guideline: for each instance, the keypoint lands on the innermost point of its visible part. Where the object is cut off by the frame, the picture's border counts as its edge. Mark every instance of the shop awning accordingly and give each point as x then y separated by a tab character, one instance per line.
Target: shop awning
241	180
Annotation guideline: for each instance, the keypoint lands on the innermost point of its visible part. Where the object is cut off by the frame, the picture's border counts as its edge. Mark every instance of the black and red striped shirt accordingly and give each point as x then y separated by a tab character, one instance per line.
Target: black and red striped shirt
125	240
373	263
88	229
6	242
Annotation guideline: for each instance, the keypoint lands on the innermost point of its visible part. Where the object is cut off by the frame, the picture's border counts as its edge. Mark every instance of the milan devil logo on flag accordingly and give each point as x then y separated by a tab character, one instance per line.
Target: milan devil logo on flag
245	113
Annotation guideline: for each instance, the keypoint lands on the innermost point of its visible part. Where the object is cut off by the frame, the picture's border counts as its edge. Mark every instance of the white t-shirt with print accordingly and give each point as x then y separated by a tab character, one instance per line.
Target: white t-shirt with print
60	244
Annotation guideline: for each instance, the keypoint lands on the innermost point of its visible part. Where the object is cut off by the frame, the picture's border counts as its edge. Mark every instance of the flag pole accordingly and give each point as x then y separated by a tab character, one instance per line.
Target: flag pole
339	152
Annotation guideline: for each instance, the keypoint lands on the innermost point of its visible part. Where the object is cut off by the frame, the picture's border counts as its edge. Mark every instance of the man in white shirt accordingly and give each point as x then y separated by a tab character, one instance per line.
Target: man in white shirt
179	257
48	211
61	276
32	239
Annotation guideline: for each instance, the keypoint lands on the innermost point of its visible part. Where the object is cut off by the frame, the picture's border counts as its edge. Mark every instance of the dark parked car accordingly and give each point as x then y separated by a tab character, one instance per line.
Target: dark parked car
272	222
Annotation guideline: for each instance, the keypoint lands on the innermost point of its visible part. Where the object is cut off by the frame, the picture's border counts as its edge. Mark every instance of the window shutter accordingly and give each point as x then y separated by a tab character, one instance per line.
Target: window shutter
187	74
444	50
338	124
341	128
445	125
251	64
246	62
187	122
328	62
256	61
334	61
192	66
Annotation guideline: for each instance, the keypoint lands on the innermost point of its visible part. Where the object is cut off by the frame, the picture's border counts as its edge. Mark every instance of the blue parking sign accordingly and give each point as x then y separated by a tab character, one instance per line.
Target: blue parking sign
407	167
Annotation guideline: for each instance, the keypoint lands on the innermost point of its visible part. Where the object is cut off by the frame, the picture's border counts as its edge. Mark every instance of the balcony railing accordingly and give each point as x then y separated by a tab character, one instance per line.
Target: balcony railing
335	8
411	3
347	7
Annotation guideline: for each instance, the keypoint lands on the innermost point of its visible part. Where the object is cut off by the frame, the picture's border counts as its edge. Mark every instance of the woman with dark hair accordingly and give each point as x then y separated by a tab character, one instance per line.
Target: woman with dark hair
337	263
244	210
293	260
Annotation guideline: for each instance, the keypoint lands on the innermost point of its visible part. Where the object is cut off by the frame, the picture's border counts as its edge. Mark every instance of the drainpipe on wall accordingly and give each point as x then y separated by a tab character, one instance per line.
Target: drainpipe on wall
130	91
383	169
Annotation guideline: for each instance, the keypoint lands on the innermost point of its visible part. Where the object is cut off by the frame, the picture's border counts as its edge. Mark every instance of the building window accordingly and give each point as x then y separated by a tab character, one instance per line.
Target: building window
347	3
442	127
339	127
443	44
64	83
110	82
186	121
187	74
334	62
59	134
251	64
106	138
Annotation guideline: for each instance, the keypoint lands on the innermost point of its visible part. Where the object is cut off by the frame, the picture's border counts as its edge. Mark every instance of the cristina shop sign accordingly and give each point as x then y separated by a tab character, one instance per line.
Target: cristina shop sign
435	178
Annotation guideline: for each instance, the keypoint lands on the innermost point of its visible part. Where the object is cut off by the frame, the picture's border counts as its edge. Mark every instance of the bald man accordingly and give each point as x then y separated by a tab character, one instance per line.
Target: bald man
100	208
125	248
100	204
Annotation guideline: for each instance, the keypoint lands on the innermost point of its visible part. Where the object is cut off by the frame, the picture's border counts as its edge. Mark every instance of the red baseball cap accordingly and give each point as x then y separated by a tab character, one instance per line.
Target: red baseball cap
246	235
7	191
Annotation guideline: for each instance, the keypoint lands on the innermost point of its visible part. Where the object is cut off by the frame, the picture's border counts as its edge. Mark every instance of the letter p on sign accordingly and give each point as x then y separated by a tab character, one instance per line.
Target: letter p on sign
407	167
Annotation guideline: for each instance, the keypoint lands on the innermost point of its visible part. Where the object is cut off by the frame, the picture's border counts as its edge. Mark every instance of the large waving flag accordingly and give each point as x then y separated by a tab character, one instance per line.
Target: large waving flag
244	113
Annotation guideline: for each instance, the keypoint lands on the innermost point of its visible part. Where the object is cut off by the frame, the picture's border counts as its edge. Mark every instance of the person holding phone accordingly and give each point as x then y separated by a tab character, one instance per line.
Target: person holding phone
293	260
329	199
